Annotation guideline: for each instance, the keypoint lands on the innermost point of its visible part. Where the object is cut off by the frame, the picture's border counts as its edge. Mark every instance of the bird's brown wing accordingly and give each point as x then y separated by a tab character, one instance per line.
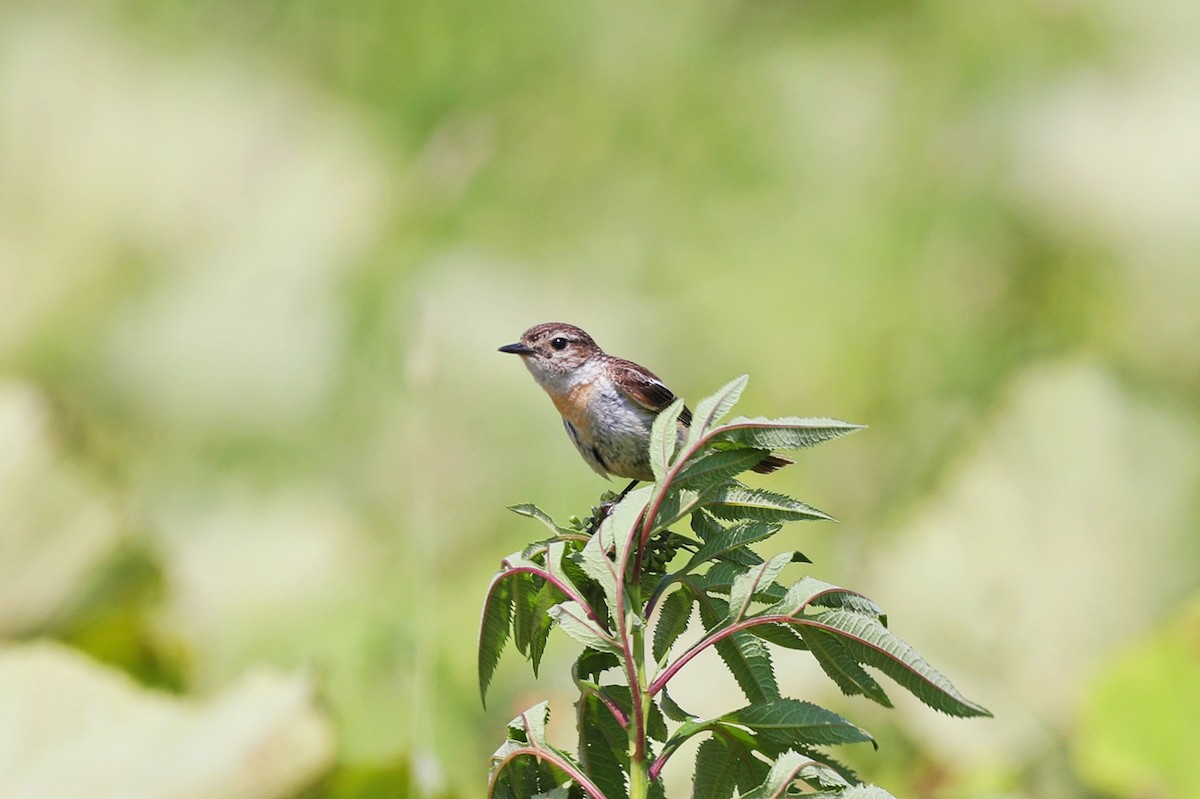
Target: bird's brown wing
644	388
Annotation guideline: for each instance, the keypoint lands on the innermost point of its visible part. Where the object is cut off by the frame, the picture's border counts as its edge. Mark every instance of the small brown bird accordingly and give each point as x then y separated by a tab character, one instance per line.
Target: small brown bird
608	404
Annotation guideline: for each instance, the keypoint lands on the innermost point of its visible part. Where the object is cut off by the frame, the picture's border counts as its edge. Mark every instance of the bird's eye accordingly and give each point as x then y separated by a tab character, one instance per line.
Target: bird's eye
559	343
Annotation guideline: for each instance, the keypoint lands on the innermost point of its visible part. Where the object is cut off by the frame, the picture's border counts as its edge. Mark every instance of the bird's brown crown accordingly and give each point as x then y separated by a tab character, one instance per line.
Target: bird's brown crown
556	347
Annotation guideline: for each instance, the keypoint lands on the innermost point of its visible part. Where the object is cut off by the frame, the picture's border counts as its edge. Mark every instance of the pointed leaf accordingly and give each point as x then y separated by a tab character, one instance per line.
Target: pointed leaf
494	629
841	769
574	621
522	777
798	723
779	634
678	502
614	530
787	433
595	562
792	766
524	593
534	512
811	591
752	582
746	656
664	435
736	502
546	598
843	669
714	466
656	723
710	410
602	746
529	776
555	551
672	710
530	726
724	540
673	617
850	600
870	643
716	771
591	663
719	578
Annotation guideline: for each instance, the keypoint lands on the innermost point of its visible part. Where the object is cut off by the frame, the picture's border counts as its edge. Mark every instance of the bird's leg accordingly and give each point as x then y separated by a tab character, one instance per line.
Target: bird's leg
601	513
625	491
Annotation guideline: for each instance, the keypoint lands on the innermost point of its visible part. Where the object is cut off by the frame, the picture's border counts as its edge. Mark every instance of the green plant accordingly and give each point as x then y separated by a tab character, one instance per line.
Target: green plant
602	590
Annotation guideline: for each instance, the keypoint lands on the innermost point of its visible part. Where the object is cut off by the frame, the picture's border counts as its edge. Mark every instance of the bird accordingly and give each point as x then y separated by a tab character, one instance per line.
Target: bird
608	404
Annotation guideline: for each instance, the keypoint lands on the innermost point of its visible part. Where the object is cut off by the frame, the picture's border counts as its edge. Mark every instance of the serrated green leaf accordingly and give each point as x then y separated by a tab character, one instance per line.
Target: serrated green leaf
594	561
716	772
710	410
555	551
792	766
704	525
591	663
524	591
720	576
602	746
872	644
673	616
664	435
711	467
736	502
494	629
821	775
534	512
746	657
719	580
528	776
724	540
523	777
574	621
779	634
841	769
754	581
798	723
811	591
747	557
570	570
781	434
656	723
850	600
547	597
835	661
672	710
530	725
614	530
677	503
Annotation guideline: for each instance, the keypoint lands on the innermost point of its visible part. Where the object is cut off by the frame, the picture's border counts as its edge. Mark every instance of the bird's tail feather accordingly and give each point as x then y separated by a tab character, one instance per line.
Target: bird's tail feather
771	463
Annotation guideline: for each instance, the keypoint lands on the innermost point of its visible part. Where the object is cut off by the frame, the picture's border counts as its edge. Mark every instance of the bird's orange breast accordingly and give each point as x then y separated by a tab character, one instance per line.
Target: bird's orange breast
573	405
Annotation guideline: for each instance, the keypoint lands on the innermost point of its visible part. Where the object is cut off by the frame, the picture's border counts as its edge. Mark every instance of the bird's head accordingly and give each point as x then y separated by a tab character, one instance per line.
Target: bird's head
555	351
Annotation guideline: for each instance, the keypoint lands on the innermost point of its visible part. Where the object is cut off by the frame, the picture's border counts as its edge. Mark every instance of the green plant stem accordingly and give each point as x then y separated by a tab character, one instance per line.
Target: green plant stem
639	767
639	779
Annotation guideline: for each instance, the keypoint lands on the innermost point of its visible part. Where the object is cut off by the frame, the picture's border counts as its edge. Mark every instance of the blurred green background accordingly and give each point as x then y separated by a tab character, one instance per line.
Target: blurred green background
256	442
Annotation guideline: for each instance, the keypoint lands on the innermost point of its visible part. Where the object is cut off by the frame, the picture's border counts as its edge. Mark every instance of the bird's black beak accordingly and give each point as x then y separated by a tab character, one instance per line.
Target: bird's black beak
518	349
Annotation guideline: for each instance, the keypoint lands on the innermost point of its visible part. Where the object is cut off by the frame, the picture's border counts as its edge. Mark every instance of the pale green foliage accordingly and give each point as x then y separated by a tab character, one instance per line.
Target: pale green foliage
603	590
662	438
